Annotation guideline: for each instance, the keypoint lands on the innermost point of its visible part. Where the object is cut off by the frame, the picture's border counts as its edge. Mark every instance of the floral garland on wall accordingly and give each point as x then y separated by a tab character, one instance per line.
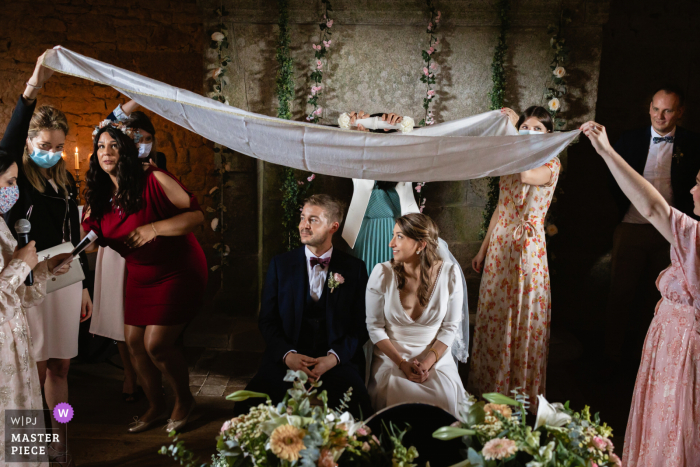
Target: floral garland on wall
497	96
555	89
219	44
320	51
428	77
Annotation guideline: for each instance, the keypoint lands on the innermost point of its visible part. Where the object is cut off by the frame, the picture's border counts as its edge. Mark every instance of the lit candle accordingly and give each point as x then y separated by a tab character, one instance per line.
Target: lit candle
77	159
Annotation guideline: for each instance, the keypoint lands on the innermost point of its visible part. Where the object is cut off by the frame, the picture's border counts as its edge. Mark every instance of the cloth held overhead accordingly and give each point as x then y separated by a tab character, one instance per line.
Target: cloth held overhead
472	147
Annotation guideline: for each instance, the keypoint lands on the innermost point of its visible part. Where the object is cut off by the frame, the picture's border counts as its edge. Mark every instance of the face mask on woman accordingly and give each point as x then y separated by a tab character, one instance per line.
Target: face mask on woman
145	149
530	132
45	159
8	197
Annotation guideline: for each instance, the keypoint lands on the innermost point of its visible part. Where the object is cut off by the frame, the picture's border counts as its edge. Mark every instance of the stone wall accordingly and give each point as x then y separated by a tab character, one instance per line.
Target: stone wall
160	39
375	64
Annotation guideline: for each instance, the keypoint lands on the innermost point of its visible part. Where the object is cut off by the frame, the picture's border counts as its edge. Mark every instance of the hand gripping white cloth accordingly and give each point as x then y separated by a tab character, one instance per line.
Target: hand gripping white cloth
463	149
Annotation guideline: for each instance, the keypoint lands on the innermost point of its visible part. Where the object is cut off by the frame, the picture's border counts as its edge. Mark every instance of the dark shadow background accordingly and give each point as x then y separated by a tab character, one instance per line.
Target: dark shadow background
646	44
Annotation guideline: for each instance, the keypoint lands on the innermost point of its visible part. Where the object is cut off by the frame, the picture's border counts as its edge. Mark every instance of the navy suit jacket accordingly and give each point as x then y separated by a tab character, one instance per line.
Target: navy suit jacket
633	146
283	300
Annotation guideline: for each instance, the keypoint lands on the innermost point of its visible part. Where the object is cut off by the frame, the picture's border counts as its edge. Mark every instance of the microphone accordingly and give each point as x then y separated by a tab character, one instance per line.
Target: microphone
22	227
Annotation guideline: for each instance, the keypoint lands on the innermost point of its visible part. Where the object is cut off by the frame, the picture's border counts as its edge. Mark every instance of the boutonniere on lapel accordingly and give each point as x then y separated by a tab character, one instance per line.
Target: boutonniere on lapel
334	280
677	154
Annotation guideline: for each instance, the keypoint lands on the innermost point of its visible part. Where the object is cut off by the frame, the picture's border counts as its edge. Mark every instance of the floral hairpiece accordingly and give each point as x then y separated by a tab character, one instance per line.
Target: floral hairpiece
130	132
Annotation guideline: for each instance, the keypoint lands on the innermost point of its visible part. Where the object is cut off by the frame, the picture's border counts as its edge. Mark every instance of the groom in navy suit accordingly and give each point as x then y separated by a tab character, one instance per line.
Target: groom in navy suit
308	325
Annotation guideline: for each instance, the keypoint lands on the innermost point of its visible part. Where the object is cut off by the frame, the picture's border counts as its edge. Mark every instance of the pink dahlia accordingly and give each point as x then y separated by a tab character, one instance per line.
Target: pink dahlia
499	448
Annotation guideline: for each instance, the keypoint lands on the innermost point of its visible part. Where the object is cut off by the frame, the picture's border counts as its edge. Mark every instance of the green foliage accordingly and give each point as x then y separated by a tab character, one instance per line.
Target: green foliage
498	70
496	96
285	72
429	69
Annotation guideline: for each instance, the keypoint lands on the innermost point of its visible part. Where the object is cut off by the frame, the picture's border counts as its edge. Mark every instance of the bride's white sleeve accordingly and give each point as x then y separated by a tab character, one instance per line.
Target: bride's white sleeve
453	317
374	303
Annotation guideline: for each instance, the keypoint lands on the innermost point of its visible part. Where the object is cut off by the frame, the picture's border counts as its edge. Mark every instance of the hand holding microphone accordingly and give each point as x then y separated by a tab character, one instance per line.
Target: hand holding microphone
29	256
26	250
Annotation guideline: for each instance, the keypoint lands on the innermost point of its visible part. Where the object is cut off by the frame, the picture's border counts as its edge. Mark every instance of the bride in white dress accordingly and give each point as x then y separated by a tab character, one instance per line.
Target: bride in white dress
414	309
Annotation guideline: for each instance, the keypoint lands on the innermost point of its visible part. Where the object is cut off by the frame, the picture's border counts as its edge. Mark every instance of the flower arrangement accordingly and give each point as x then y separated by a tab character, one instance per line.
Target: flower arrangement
335	281
430	68
320	51
300	431
496	435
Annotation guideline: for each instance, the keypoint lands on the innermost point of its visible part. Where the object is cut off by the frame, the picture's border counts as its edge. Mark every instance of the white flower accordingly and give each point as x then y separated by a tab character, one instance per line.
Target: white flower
554	104
218	37
543	456
406	125
550	414
215	224
213	190
344	121
559	72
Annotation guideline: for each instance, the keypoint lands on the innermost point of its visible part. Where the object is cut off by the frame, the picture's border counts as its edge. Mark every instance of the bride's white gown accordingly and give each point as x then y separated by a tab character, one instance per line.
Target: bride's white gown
387	319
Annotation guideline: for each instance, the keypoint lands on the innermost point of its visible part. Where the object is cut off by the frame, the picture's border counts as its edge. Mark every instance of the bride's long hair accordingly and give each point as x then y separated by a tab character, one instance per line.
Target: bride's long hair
420	228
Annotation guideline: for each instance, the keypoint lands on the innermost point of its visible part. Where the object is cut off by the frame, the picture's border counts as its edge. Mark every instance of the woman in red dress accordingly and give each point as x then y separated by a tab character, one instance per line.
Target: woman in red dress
148	218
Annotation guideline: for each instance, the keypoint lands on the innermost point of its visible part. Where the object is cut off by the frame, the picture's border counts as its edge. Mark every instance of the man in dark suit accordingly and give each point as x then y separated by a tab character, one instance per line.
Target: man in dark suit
668	156
309	326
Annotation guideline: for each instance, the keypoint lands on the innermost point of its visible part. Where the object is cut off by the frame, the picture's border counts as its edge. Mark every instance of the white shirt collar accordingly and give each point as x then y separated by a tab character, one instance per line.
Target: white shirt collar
310	255
654	134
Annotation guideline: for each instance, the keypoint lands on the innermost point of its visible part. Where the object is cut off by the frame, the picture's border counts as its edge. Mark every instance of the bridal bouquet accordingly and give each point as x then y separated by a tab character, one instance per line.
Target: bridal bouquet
298	432
495	434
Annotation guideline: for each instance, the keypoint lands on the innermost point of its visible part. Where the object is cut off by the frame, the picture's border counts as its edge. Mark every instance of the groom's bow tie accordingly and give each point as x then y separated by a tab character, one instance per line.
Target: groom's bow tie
322	261
660	139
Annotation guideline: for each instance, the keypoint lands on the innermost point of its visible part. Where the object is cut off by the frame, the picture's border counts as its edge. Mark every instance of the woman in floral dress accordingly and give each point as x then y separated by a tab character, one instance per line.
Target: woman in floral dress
511	337
19	379
662	429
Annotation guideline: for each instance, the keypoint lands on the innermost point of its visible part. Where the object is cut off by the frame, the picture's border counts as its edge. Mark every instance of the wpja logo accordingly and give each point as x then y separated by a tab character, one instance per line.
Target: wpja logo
27	434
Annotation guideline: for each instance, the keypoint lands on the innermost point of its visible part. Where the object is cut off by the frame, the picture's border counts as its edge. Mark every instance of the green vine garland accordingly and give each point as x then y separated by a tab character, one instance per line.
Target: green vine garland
219	42
497	96
293	191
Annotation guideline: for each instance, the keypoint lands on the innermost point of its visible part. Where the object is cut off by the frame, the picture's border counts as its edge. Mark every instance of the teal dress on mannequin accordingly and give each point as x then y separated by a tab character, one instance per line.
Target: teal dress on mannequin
372	244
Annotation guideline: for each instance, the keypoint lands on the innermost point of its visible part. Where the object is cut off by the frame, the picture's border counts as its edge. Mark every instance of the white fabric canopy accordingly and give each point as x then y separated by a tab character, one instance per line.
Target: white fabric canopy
468	148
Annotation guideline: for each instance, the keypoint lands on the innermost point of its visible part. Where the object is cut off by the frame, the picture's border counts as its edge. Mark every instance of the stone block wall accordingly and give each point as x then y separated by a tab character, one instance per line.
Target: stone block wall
375	65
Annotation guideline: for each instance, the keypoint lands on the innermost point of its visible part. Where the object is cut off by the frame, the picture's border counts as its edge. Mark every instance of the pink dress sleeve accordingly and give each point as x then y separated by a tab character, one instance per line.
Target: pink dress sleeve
685	253
162	205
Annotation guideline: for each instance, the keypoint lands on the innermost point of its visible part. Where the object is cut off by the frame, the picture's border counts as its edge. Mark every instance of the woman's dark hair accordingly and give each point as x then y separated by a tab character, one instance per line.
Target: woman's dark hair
420	228
6	161
540	113
130	177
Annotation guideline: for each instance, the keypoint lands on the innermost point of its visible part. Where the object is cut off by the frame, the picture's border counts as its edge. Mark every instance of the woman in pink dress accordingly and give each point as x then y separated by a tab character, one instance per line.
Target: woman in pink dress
662	429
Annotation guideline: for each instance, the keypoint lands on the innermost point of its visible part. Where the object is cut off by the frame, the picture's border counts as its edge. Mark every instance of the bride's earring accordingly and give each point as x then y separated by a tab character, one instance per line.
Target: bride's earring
418	252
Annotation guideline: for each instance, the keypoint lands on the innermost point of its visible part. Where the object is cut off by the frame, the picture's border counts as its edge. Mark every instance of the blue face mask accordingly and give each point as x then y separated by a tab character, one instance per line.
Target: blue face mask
45	159
530	132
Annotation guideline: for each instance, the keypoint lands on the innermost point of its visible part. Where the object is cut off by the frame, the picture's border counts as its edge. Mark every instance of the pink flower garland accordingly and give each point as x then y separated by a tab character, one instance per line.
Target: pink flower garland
320	51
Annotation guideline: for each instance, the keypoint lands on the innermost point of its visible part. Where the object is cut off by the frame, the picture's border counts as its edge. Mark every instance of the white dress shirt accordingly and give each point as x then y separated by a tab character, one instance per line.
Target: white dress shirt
317	281
317	274
658	172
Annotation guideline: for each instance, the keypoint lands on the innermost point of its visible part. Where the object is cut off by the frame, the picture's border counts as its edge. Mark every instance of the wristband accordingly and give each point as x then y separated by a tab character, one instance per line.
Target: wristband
437	357
32	86
155	232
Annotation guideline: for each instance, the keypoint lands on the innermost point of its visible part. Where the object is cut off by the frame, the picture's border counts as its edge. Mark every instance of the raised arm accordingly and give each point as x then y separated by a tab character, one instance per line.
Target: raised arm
539	176
640	192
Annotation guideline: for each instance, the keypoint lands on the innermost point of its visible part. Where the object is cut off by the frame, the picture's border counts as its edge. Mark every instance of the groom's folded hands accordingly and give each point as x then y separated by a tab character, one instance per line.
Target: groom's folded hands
296	361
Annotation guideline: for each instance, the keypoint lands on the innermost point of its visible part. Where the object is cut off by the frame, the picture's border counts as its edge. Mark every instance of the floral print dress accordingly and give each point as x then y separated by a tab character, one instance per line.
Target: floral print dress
511	337
662	429
19	379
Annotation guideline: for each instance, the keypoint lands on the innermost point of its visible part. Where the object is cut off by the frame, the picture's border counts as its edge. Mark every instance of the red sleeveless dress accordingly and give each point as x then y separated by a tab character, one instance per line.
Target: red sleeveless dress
166	277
